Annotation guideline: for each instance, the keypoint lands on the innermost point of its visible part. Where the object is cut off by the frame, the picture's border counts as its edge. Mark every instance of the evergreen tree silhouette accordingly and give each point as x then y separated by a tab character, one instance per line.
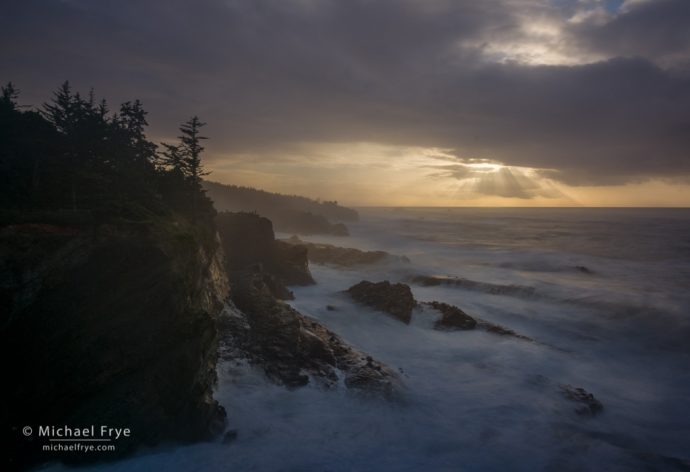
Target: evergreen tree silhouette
74	152
9	96
191	149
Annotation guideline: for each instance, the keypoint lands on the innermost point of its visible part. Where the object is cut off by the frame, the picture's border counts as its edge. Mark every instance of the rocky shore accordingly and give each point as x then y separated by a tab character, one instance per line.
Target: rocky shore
292	349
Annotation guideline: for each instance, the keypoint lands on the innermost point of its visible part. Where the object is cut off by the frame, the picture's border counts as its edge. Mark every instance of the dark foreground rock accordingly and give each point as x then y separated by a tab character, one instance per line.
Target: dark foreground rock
249	244
320	253
116	327
587	404
294	349
452	317
394	299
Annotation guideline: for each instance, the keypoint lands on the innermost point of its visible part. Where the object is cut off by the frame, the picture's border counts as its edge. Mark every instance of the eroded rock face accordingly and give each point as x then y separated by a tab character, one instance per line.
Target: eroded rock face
290	264
117	328
394	299
250	246
452	317
294	349
587	404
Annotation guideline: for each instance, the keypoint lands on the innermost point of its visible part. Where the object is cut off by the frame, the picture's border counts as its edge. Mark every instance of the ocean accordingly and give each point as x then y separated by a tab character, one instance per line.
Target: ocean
605	294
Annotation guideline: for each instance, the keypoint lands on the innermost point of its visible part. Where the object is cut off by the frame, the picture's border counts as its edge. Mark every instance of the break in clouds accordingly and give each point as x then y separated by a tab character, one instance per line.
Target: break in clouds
587	92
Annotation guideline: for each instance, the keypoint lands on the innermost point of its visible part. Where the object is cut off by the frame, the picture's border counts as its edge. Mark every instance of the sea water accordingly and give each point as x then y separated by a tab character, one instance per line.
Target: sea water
606	299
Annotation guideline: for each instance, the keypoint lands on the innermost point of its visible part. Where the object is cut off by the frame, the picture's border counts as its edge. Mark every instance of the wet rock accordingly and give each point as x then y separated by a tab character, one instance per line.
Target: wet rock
371	379
331	308
394	299
588	405
452	317
294	349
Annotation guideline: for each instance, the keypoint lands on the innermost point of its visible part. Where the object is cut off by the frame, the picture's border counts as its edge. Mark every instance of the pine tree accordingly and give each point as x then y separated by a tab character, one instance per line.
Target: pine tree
171	158
9	96
62	109
191	149
132	120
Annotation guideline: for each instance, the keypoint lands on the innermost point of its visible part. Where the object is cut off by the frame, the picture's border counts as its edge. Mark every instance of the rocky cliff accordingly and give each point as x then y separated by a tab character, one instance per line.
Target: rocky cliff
112	326
292	349
251	249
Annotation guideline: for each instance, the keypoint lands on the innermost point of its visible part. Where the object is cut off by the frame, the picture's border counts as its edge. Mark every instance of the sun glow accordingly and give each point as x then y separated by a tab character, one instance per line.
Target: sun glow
375	174
485	167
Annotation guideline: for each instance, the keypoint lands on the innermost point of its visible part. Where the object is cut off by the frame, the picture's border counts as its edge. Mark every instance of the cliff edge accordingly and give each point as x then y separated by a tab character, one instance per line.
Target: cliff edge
116	326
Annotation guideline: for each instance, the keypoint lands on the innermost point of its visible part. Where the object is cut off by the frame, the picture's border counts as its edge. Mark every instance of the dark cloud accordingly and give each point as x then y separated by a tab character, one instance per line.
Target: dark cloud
266	74
658	30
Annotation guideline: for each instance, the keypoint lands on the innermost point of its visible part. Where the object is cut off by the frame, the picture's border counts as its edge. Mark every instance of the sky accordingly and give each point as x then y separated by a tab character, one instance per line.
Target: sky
391	102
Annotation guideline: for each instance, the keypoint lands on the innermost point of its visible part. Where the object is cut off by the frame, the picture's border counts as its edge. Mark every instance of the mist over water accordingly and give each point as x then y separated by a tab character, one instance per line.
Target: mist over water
609	309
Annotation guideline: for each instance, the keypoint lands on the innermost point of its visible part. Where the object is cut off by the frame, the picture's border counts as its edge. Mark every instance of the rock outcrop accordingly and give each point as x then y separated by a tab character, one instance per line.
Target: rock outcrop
294	349
250	248
397	300
112	327
587	404
394	299
501	330
485	287
452	317
321	253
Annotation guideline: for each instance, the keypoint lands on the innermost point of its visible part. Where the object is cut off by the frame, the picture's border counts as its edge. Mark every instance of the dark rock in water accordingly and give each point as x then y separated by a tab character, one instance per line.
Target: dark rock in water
500	330
587	404
250	246
583	269
331	308
320	253
485	287
394	299
230	436
292	349
429	281
114	328
453	318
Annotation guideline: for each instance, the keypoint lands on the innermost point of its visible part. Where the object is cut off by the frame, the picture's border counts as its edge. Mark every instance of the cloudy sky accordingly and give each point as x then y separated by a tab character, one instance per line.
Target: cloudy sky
392	102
